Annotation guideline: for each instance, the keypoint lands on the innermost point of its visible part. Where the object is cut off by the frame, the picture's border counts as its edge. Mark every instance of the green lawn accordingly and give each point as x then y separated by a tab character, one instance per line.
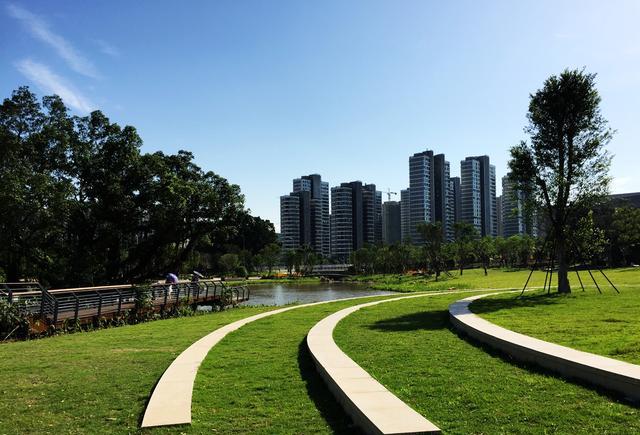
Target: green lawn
496	279
463	388
260	379
94	382
607	323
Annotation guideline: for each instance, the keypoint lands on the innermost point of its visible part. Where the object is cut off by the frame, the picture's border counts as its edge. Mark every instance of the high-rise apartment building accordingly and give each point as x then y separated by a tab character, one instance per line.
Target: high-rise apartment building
341	222
391	222
515	219
290	221
478	194
312	226
443	200
356	214
457	199
421	192
499	216
378	223
405	215
431	194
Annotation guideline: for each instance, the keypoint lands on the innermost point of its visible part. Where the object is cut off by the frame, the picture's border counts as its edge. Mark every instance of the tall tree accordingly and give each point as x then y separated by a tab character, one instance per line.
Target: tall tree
270	255
432	235
565	167
485	249
289	257
34	186
464	235
626	230
80	204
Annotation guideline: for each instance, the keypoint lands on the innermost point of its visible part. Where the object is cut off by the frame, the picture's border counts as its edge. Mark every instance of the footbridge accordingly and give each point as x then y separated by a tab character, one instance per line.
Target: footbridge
47	308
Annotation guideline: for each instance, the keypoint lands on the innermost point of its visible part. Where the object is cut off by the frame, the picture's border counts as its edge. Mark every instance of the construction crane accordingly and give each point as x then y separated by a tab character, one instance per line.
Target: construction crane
389	193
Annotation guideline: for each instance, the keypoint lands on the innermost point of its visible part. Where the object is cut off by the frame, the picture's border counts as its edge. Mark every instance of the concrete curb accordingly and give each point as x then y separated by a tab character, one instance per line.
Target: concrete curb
371	406
170	401
608	373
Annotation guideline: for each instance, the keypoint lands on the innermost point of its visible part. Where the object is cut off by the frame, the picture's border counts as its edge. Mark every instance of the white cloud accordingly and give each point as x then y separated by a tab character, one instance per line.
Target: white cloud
40	30
619	184
50	82
107	48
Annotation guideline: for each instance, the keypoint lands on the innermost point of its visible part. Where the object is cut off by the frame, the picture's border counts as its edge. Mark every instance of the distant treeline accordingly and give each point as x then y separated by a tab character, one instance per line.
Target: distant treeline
81	205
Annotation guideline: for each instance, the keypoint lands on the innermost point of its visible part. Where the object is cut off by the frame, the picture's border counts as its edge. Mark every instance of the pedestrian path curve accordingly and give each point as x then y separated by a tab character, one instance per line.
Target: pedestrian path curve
170	401
609	373
371	406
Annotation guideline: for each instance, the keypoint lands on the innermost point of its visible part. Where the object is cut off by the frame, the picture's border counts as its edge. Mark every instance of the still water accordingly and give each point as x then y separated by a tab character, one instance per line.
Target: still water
282	294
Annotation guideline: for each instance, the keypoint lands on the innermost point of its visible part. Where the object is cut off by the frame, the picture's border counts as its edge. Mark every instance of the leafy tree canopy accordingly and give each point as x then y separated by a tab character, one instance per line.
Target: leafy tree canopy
565	166
80	204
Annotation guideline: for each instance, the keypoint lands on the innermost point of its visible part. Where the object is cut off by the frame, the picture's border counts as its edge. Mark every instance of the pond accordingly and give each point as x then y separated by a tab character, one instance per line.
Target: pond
282	294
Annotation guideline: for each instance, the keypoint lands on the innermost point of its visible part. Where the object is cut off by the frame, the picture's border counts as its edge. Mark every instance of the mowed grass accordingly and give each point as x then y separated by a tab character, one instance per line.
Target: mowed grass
462	388
262	380
94	382
496	279
470	279
607	324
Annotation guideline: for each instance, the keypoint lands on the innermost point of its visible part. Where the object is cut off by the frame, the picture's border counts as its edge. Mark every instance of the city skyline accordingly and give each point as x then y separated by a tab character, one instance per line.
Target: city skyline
310	82
357	216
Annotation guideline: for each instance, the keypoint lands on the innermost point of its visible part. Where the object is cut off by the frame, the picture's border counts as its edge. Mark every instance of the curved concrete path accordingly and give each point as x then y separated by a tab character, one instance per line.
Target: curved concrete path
608	373
170	402
371	406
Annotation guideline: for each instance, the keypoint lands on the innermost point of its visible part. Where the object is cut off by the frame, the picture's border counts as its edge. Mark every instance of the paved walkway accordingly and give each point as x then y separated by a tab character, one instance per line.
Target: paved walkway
611	374
170	402
371	406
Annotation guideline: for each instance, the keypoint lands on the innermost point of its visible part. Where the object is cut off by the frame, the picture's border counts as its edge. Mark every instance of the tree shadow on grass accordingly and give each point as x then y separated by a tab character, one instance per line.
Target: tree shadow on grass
534	368
426	320
318	391
490	305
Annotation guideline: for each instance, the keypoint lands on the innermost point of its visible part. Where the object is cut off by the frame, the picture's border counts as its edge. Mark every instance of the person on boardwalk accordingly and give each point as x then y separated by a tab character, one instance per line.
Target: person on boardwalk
171	279
196	276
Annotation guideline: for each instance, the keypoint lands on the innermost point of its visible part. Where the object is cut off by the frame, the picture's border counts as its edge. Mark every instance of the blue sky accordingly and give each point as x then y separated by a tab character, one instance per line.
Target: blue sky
265	91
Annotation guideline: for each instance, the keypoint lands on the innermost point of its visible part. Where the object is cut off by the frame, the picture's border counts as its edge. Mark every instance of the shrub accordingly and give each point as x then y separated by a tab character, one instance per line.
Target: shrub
241	271
13	323
144	305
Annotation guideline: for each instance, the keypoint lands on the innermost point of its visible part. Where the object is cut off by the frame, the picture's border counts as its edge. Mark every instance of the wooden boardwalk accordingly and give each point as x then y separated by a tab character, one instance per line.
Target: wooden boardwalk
58	307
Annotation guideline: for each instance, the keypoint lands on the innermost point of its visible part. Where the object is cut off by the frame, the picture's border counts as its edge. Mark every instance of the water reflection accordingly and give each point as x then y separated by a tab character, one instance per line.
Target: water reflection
282	294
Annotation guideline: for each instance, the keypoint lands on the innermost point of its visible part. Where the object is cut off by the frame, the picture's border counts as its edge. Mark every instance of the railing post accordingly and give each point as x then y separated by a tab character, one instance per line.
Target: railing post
99	305
42	296
166	295
178	294
77	306
206	291
119	301
10	295
55	311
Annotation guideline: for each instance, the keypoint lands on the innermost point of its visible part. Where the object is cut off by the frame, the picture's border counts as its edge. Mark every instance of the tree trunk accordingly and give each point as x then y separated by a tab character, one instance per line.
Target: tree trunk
13	273
563	266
